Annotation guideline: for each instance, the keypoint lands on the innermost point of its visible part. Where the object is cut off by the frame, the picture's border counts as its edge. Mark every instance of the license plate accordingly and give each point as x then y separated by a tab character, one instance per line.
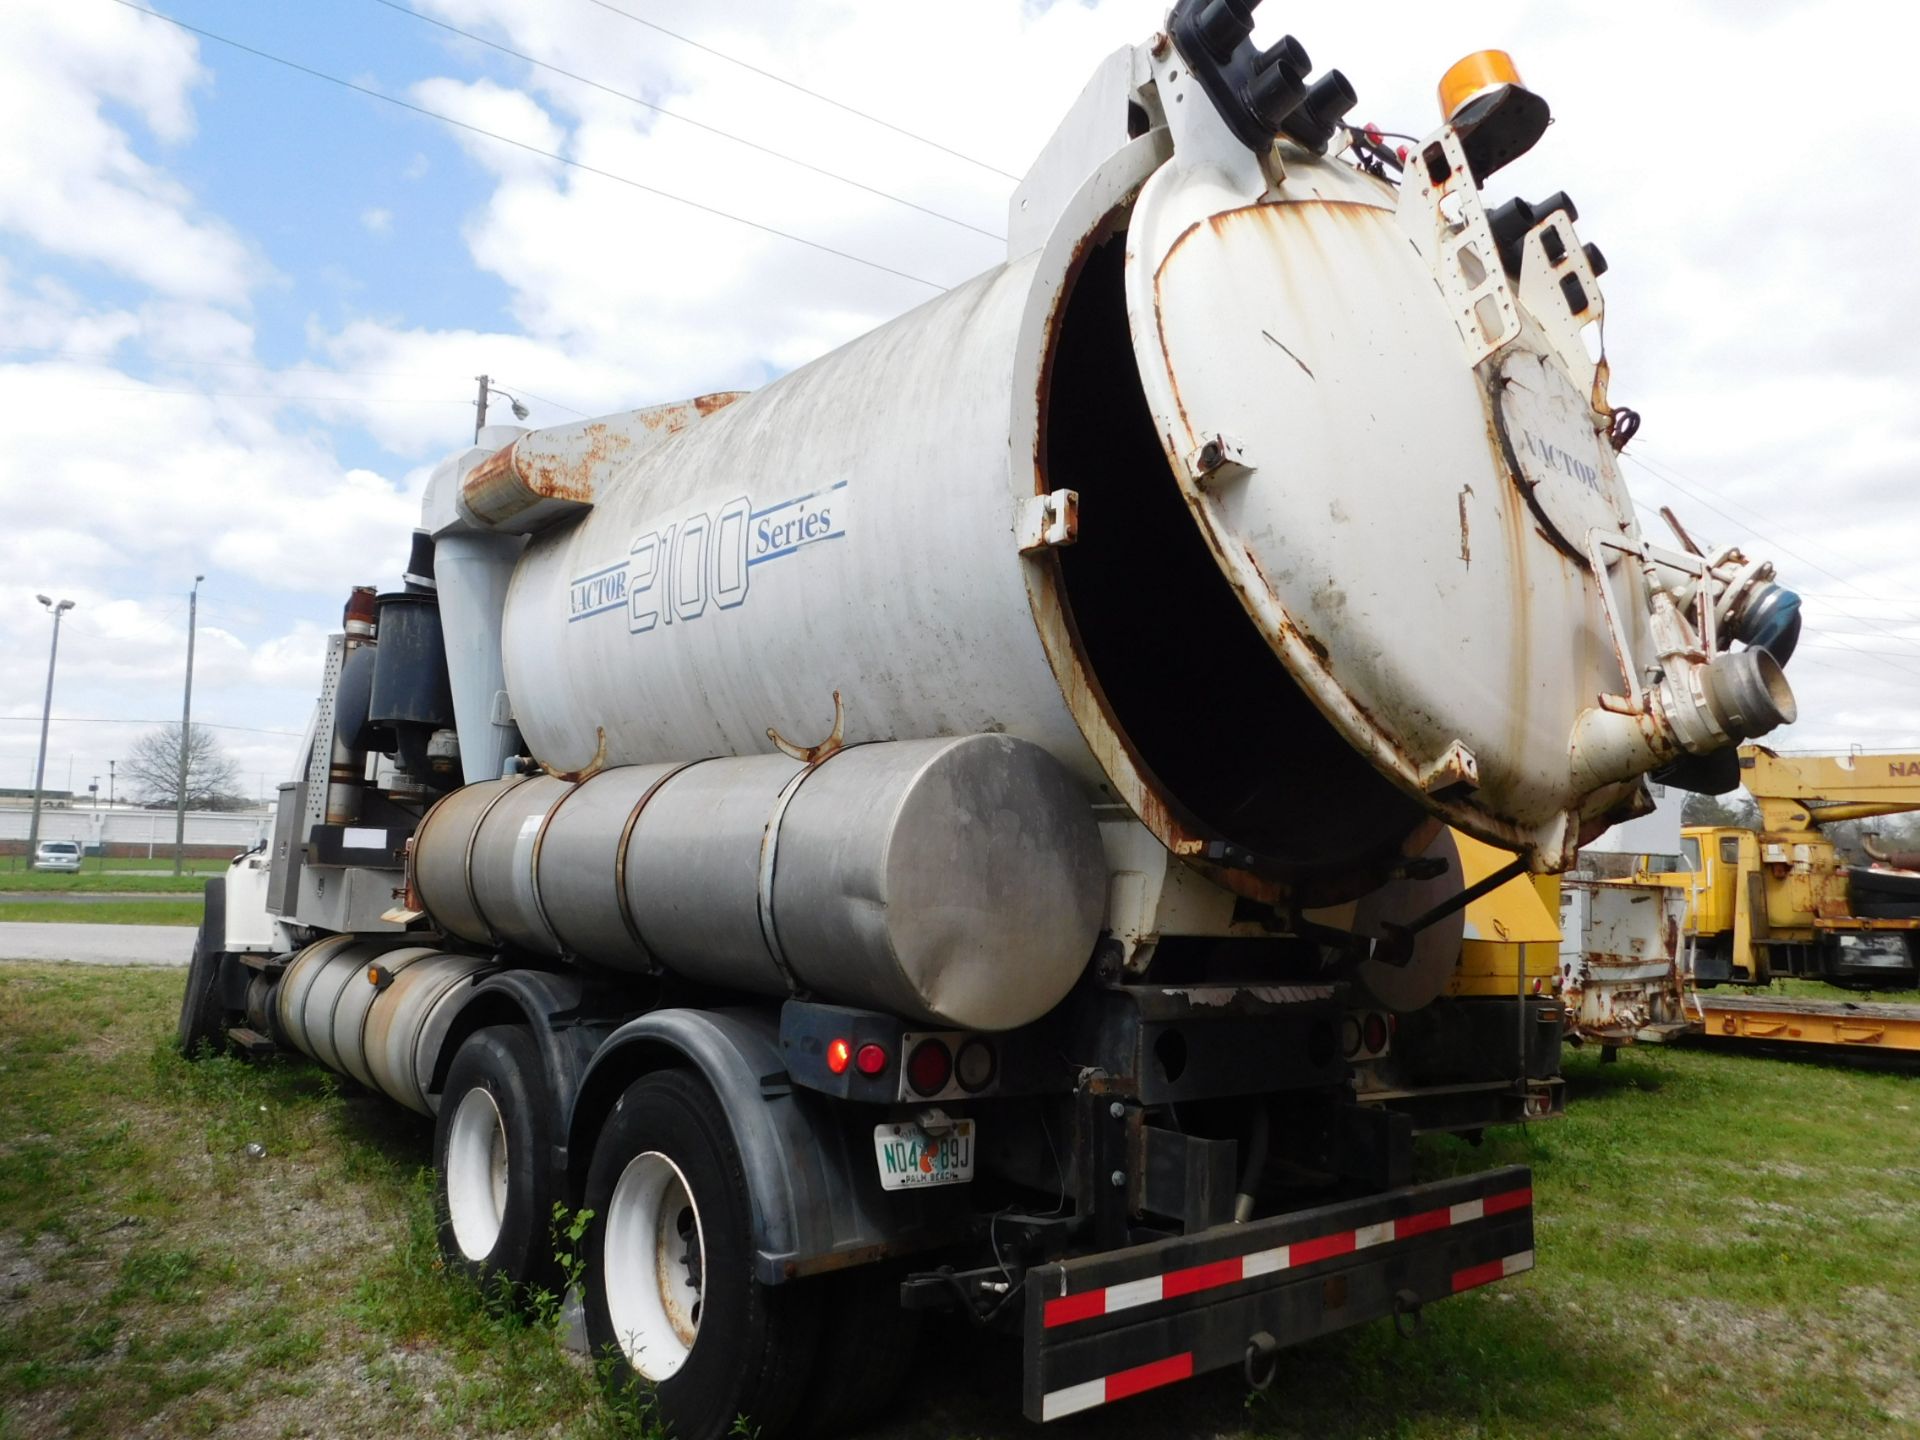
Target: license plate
910	1158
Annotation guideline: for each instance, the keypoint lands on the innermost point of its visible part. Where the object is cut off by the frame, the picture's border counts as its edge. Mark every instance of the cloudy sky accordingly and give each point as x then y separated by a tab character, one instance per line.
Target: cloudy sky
241	307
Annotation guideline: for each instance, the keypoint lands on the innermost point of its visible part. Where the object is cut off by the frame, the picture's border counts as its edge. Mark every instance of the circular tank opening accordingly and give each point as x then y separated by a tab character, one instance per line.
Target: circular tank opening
1220	732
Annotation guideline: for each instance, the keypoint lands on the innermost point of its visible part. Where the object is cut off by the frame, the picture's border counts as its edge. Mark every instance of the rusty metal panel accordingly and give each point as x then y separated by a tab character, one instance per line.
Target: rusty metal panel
1622	963
546	476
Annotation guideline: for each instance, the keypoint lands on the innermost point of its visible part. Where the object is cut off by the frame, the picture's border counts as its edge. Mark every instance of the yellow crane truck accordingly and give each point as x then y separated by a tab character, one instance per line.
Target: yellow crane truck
1781	901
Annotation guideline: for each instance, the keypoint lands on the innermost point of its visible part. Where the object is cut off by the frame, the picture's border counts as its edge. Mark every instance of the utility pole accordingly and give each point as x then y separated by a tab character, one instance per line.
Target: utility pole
186	731
46	719
112	765
520	411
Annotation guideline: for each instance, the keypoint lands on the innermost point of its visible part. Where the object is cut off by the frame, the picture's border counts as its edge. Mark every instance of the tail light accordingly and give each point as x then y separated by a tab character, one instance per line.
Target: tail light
929	1067
974	1066
1365	1034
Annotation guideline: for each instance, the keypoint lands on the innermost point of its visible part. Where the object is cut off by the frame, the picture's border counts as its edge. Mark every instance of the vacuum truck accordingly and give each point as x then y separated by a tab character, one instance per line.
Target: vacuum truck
947	829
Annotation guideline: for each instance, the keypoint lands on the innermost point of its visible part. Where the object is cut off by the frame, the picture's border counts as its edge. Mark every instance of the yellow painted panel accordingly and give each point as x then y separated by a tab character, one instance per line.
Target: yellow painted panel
1517	912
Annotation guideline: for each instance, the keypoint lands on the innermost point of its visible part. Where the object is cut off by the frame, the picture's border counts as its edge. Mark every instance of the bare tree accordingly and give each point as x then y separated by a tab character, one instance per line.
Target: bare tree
152	772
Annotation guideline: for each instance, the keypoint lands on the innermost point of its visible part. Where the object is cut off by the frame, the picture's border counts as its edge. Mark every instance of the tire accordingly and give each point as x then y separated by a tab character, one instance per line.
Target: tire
867	1346
716	1345
203	1020
494	1177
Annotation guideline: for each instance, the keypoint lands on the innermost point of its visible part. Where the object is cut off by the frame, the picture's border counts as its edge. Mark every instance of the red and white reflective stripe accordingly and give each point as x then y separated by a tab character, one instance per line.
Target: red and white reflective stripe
1491	1271
1088	1393
1109	1300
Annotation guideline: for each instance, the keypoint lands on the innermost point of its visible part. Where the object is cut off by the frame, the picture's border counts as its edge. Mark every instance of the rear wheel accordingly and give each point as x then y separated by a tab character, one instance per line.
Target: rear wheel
671	1295
491	1152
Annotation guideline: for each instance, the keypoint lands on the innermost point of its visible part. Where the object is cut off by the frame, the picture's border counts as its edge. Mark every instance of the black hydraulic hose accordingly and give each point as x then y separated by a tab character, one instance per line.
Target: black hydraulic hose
1772	622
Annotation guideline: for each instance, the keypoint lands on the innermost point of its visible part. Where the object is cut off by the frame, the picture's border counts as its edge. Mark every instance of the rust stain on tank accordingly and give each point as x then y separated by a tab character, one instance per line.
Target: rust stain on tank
492	490
705	405
569	476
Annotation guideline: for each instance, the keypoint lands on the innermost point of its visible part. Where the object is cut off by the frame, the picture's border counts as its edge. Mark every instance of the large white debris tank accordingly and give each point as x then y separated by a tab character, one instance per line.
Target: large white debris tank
1271	490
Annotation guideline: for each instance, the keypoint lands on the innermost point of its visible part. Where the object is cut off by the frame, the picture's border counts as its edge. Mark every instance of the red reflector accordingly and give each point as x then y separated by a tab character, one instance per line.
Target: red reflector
1508	1200
838	1054
1068	1308
1420	1224
929	1067
1200	1277
870	1060
1323	1247
1149	1377
1375	1030
1477	1275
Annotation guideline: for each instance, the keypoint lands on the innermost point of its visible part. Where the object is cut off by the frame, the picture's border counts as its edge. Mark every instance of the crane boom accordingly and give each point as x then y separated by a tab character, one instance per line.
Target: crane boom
1798	793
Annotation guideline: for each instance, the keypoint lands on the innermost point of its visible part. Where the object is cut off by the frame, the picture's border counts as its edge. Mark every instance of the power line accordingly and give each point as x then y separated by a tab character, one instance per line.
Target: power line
689	120
124	720
59	383
1863	595
796	85
104	357
522	390
530	149
1666	474
109	358
1672	480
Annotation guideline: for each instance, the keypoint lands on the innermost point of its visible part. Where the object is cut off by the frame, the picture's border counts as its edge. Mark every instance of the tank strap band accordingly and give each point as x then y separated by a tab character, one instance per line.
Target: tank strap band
620	862
533	867
769	859
473	836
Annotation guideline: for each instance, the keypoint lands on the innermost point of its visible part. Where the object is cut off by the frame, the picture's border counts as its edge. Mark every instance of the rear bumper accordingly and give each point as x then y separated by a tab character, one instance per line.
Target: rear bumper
1104	1327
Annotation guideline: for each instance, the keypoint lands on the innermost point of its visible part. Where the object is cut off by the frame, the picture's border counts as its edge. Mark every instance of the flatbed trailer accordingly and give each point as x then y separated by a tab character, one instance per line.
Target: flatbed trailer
1861	1030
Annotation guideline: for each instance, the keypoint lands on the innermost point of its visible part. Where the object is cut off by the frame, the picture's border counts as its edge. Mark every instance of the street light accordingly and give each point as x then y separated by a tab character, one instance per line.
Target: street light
520	412
46	719
186	732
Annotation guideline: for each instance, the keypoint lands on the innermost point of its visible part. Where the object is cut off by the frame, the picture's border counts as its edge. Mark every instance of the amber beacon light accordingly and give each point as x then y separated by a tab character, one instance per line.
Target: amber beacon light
1467	80
1496	117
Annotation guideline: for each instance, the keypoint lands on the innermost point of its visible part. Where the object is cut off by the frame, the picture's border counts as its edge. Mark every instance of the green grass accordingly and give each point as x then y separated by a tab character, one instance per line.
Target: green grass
97	882
1820	990
162	859
178	910
1727	1245
158	1279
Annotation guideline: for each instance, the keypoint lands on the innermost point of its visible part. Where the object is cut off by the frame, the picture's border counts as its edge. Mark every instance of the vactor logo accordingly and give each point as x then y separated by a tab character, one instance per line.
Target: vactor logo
1555	458
678	570
603	590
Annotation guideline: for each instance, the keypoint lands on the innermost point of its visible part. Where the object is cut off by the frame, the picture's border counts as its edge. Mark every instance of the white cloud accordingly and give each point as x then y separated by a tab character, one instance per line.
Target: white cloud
71	179
377	221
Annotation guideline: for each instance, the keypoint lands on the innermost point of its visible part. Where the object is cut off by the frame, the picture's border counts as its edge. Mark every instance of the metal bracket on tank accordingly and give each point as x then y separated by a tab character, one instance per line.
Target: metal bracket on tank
594	766
466	871
770	853
621	898
814	754
1441	213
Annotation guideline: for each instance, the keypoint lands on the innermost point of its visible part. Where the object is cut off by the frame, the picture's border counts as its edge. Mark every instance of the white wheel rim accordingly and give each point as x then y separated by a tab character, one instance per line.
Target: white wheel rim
477	1174
655	1265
